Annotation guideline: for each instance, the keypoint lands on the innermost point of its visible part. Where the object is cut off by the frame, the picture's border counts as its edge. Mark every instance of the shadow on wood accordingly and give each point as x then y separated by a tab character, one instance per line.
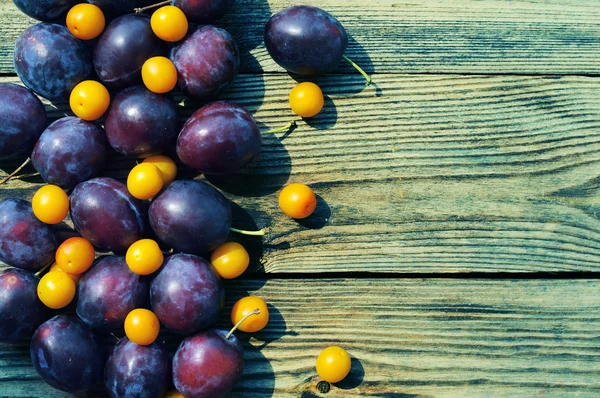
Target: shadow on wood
258	379
266	174
355	377
319	218
326	119
241	219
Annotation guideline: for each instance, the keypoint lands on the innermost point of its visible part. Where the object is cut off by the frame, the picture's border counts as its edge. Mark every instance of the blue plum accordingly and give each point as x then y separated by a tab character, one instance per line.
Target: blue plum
305	40
207	61
45	10
204	11
67	354
108	292
106	214
135	371
208	364
218	138
25	242
70	151
127	42
21	312
191	217
23	120
187	294
51	61
140	123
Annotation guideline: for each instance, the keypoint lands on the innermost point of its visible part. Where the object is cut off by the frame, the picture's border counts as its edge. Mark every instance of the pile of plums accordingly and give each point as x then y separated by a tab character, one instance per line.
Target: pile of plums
155	243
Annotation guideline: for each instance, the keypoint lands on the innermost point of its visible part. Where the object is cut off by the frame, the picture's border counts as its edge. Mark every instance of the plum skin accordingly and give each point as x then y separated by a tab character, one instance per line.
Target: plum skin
127	42
21	312
208	365
45	10
132	370
69	151
207	61
106	214
218	138
140	123
50	61
187	294
25	242
113	8
23	120
108	292
190	216
67	354
305	40
204	11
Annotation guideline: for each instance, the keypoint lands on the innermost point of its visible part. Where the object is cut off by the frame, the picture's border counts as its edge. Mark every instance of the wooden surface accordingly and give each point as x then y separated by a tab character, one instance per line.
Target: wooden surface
469	338
477	150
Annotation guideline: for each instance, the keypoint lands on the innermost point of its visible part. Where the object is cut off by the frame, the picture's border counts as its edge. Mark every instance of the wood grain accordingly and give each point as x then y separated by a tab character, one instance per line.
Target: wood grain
448	36
424	338
436	173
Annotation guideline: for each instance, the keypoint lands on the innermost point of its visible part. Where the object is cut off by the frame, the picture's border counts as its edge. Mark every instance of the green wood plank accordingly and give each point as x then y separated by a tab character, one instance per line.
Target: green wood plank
433	174
467	36
424	338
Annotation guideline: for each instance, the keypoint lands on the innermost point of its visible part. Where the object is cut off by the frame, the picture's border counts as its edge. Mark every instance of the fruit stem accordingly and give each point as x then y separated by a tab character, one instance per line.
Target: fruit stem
290	125
142	9
11	175
237	325
42	270
260	232
24	176
115	336
358	68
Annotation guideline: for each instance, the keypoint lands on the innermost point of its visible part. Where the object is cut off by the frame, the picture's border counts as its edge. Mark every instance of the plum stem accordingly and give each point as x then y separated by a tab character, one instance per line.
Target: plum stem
237	325
24	176
118	338
290	125
260	232
11	175
358	68
142	9
43	269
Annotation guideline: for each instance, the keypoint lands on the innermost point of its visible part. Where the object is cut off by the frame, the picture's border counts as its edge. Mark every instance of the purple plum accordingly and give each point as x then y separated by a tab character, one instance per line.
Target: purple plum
305	40
21	312
137	371
204	11
208	364
207	61
69	151
113	8
140	123
25	242
51	61
127	42
190	216
187	294
108	292
45	10
218	138
67	354
106	214
23	121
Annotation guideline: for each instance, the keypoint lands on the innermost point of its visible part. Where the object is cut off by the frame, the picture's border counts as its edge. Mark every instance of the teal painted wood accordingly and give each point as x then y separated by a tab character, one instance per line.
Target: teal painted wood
424	338
427	173
389	36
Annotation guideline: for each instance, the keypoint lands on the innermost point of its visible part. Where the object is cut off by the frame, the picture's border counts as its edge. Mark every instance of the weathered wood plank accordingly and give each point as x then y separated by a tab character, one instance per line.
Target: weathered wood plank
429	338
467	36
437	174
